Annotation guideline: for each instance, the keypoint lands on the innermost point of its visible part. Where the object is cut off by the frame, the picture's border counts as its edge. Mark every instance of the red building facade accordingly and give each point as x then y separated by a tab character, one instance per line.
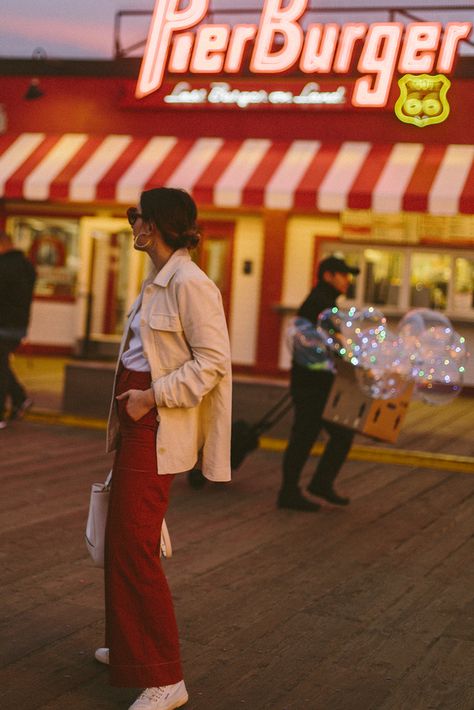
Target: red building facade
280	182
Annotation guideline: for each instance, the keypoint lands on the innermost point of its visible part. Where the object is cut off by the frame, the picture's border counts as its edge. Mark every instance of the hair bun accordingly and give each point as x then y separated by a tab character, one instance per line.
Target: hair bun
190	233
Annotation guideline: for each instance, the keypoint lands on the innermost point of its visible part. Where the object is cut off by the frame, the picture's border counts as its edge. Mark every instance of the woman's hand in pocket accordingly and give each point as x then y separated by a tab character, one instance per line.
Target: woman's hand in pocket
138	402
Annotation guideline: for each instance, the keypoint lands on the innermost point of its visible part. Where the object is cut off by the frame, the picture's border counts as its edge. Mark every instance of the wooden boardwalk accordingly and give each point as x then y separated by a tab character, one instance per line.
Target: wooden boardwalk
366	608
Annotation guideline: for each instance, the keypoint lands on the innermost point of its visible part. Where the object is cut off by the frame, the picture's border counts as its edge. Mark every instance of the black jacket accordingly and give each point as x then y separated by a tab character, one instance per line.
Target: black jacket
321	297
17	280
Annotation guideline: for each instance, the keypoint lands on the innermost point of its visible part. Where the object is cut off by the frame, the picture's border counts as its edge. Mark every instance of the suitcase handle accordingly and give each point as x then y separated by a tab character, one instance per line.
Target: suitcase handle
274	415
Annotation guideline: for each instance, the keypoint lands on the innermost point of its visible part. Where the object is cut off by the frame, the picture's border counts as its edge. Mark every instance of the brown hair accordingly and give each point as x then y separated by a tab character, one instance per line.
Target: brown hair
174	212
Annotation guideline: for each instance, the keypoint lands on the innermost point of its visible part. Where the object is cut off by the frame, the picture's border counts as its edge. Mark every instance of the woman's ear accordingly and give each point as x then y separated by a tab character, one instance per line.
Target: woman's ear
148	227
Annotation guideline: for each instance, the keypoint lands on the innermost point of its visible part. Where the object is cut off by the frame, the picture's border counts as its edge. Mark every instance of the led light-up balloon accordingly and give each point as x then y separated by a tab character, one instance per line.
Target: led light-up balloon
438	381
384	367
380	385
329	328
425	328
305	342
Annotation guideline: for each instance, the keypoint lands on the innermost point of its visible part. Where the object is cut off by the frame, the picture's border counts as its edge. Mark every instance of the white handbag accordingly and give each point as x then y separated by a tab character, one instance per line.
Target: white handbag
96	521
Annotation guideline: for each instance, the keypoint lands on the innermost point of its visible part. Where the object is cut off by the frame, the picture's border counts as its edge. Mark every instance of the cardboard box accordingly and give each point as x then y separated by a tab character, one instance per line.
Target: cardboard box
348	406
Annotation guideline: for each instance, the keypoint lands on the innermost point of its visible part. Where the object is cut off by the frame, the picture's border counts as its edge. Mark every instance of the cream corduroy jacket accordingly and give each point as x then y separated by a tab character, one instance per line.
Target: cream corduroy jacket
185	340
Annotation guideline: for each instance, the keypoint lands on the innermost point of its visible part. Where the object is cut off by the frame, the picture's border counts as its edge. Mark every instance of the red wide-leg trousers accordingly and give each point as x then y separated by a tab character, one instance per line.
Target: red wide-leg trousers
141	630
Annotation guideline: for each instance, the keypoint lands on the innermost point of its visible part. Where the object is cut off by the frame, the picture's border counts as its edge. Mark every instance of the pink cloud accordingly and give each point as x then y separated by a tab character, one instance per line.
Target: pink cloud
82	34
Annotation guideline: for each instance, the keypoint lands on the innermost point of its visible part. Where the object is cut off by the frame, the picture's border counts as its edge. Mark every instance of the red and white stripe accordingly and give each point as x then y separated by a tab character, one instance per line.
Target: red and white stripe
256	172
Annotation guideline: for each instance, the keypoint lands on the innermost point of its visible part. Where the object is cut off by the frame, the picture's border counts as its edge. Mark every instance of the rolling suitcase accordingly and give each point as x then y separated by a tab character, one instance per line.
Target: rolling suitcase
245	437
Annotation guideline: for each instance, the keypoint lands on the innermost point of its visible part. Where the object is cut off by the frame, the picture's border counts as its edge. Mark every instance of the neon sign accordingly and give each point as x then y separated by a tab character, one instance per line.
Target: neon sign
278	44
422	100
222	93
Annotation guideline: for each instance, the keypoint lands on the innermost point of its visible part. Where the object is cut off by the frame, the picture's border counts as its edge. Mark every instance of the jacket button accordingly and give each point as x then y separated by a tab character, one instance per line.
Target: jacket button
161	450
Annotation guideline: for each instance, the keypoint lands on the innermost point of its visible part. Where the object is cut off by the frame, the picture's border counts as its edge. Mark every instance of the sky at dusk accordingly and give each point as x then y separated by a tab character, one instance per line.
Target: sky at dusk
85	28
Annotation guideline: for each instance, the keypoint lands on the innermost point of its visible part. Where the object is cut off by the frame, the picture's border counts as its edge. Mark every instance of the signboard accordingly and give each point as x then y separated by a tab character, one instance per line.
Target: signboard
180	42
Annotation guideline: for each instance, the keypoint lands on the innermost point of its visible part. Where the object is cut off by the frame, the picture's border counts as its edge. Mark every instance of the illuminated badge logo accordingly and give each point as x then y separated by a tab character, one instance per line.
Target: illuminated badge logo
422	99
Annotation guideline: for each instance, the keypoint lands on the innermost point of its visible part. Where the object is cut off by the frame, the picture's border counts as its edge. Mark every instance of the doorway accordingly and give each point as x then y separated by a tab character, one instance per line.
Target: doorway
110	280
214	256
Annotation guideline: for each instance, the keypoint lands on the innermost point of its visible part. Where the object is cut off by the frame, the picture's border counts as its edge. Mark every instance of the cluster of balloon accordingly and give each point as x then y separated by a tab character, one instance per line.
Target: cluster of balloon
425	350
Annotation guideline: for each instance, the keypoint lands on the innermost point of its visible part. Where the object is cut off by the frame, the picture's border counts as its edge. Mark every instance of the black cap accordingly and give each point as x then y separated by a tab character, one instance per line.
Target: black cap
336	266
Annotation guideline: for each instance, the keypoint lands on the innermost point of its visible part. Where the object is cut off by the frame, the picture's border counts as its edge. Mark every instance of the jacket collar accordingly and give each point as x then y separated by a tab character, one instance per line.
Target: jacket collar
165	274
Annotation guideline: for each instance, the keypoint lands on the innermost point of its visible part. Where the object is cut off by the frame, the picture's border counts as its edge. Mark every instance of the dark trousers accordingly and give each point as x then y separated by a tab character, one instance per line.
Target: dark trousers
9	385
309	395
140	628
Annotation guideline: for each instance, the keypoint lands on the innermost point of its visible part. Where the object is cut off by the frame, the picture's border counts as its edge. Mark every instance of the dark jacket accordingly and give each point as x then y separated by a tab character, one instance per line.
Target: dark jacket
17	280
321	297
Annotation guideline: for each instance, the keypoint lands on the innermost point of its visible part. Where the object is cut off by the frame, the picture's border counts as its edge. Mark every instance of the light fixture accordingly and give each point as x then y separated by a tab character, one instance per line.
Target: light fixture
34	91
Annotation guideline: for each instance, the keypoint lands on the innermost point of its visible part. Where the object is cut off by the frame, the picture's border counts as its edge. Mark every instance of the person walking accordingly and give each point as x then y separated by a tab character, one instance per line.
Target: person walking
17	280
310	389
171	404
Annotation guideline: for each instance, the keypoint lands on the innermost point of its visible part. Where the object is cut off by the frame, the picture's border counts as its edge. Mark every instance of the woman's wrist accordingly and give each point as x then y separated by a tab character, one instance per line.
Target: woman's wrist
149	397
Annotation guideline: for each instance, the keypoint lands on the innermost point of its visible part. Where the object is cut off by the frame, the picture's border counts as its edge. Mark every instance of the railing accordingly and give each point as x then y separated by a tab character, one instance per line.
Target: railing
392	14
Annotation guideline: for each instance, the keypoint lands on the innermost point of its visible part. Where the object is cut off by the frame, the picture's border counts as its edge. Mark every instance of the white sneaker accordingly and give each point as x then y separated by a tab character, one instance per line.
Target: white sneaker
166	550
168	697
102	655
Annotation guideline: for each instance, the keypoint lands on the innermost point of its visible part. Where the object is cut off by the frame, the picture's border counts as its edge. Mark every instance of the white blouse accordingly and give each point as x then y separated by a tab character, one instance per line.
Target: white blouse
134	358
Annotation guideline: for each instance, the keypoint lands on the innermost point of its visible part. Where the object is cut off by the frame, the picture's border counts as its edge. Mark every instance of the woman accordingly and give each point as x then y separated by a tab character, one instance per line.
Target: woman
171	404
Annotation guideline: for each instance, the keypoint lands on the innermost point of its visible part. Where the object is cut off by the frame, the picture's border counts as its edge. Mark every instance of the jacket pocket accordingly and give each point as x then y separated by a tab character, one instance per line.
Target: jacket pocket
165	321
169	349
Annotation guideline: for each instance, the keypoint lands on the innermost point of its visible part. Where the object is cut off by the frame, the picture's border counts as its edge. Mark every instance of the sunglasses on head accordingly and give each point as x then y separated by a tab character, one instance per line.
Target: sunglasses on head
132	215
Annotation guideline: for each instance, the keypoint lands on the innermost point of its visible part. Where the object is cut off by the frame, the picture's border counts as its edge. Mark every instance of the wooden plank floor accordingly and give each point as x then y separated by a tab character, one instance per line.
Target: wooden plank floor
366	608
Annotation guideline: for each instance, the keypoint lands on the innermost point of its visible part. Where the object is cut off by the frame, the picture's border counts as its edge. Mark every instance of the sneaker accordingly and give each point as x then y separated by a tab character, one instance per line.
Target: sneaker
102	655
168	697
3	424
166	550
329	495
18	412
296	501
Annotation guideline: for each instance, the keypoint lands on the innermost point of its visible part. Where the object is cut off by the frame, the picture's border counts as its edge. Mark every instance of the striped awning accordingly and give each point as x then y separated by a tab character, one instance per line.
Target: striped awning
256	172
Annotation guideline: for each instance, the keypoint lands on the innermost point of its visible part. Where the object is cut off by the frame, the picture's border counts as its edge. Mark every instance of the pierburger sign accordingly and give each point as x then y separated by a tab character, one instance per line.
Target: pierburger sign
181	42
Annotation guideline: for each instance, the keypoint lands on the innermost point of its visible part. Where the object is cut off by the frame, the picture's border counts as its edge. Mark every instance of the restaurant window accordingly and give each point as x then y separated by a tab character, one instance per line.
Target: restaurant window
382	277
463	287
52	245
429	280
396	279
